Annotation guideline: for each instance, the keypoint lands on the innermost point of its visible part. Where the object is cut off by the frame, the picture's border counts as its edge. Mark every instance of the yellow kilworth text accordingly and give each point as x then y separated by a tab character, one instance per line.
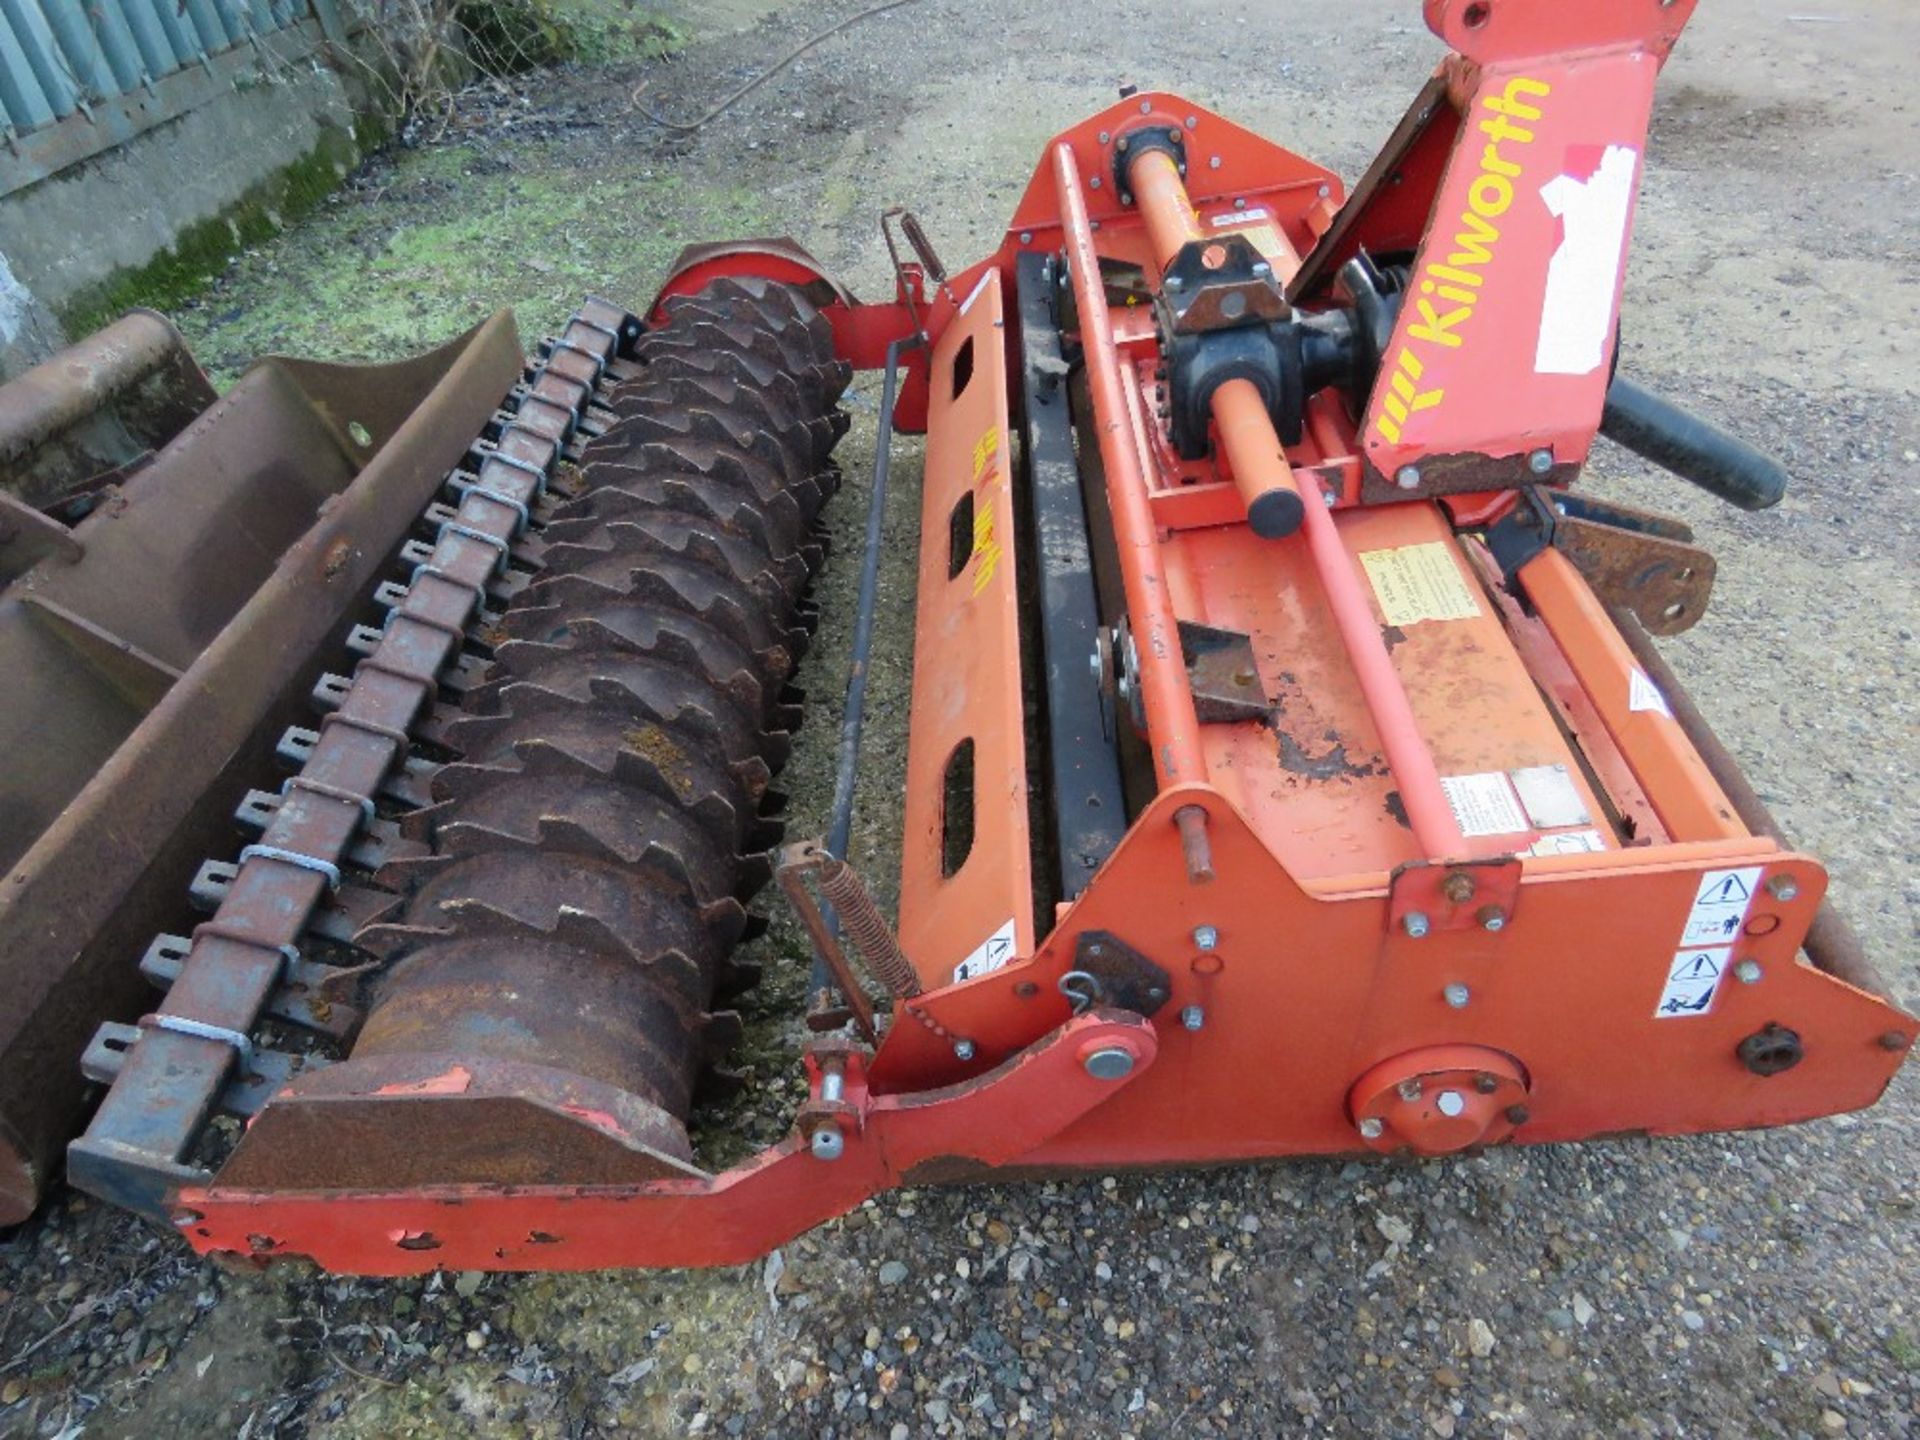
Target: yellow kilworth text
1445	292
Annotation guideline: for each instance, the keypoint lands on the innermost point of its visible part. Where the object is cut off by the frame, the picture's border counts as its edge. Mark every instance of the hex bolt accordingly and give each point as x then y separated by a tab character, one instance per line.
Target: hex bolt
1416	924
827	1143
1192	121
1371	1129
1540	461
1214	163
1094	183
1329	499
963	1049
1109	1063
1193	1017
1206	937
1026	237
1492	918
1407	477
1458	887
1747	972
1450	1103
1457	995
1518	1114
1409	1089
1895	1040
1146	107
1782	887
1104	137
1486	1083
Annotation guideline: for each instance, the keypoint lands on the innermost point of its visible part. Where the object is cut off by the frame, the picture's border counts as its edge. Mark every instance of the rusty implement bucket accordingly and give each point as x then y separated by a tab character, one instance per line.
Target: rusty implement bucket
155	647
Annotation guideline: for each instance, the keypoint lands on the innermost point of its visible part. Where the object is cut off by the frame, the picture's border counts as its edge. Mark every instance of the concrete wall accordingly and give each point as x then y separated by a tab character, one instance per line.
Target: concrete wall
231	161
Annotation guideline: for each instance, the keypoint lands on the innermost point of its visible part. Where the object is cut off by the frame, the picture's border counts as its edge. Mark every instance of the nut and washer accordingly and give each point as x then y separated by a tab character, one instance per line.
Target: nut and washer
1193	1017
963	1049
1747	972
1783	887
1206	937
1457	995
1407	477
1371	1129
1416	924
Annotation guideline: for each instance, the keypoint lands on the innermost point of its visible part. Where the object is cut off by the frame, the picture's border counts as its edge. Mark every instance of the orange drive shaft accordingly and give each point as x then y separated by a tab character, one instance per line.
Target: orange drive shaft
1260	470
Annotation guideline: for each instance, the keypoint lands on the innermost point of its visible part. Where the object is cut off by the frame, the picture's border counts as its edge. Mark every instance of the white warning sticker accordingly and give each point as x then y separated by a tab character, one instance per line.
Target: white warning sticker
1576	308
1720	906
1692	979
1569	842
1419	582
996	950
1552	799
1643	694
1484	804
1241	217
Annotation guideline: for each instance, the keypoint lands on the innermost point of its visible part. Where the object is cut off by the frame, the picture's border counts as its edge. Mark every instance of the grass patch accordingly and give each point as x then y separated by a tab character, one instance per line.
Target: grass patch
433	240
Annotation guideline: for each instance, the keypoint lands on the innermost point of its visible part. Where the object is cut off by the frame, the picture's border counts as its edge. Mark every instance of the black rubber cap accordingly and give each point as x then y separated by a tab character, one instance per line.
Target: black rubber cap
1276	514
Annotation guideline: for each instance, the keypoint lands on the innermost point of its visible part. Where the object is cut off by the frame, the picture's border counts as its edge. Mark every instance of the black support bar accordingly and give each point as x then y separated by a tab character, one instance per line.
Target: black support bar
1088	808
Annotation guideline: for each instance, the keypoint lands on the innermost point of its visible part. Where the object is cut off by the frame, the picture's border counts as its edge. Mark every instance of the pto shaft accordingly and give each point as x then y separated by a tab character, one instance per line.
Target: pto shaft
1260	470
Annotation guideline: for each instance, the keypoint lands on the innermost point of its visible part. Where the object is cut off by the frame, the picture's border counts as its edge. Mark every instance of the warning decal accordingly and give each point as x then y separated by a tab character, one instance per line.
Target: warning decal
1643	694
996	951
1569	842
1484	804
1692	979
1257	226
1576	309
1419	582
1720	906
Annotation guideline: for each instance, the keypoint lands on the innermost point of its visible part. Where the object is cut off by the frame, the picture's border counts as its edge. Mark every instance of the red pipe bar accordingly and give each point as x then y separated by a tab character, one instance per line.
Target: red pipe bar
1172	727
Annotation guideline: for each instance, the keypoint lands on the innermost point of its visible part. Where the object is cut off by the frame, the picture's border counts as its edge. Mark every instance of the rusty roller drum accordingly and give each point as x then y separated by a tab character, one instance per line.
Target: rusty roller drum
593	843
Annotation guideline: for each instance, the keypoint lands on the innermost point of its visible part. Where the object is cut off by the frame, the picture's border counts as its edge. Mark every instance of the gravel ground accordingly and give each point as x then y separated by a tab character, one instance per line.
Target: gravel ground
1740	1285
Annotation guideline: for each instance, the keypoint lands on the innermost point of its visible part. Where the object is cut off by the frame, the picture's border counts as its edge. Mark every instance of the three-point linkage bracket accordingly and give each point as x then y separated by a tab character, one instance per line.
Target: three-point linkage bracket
1641	561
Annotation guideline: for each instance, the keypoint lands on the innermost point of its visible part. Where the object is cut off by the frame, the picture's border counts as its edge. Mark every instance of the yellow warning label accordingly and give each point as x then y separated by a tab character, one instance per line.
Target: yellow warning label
1419	582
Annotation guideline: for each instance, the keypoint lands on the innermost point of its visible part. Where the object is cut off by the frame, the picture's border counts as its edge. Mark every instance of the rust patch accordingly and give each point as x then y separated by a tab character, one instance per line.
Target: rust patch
1331	764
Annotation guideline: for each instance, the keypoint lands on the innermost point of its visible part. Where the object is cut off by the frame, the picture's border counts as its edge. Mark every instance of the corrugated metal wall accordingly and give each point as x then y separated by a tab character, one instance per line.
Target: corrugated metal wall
79	77
58	57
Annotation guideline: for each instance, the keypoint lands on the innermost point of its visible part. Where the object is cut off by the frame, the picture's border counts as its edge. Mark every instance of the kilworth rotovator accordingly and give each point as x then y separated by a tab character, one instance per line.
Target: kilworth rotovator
1290	768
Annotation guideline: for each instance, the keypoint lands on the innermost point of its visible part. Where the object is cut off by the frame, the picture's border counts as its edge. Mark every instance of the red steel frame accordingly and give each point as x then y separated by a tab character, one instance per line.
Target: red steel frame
1327	1020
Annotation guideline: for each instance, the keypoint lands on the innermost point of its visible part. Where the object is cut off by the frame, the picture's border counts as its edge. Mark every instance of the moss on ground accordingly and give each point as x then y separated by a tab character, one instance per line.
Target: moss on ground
429	241
178	273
